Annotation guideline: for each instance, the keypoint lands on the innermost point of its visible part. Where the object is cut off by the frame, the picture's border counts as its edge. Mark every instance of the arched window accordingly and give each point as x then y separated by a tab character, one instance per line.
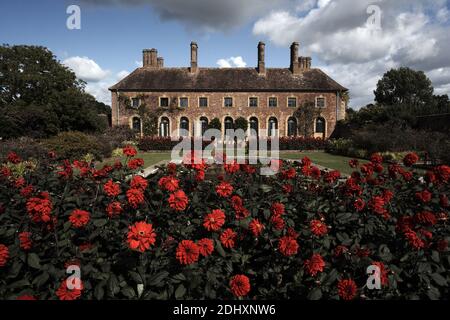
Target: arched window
184	127
204	124
273	127
254	126
320	125
229	124
292	127
136	124
164	127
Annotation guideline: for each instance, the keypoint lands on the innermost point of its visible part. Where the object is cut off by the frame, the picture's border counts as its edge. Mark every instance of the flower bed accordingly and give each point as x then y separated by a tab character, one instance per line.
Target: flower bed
303	234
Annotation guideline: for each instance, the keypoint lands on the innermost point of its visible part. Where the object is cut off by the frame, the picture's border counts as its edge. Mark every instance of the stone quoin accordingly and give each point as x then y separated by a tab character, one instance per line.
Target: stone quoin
189	98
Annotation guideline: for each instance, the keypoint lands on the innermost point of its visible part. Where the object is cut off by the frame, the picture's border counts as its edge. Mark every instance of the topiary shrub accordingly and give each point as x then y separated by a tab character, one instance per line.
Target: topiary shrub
74	145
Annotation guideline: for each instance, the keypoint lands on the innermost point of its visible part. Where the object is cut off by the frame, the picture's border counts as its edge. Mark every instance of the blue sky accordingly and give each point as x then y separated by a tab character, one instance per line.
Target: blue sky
334	32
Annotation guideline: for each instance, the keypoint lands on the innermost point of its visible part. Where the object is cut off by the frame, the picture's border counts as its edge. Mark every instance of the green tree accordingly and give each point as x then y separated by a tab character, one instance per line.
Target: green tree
241	123
215	124
404	86
40	97
306	115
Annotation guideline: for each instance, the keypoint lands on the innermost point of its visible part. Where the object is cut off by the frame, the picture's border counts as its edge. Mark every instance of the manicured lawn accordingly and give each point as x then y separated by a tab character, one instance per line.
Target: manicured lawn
323	159
320	158
150	158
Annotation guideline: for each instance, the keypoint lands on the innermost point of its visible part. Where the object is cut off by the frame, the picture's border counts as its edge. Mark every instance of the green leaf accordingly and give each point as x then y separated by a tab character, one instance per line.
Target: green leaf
180	292
100	222
113	285
440	280
219	249
41	279
128	292
315	294
34	261
99	292
157	279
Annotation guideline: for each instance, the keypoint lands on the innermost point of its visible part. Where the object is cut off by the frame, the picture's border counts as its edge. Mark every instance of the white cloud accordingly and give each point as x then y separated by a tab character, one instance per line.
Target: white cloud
413	33
97	79
236	62
86	69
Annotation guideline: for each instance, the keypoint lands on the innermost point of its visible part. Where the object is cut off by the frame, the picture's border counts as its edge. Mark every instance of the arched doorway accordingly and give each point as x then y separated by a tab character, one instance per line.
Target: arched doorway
184	127
164	127
272	127
292	127
229	124
204	124
254	126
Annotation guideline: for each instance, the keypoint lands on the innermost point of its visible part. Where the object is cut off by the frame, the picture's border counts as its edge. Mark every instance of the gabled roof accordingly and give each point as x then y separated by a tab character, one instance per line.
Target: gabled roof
226	79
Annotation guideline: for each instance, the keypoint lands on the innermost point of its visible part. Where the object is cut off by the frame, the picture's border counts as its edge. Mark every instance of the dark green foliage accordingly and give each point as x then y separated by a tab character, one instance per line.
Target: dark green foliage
73	145
40	97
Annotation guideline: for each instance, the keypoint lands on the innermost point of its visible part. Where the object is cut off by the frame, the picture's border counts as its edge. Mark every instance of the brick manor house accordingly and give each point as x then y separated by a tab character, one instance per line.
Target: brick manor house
266	97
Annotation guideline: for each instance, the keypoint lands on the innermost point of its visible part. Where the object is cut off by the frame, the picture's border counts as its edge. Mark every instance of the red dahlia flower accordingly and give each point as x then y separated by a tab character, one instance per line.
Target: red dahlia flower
79	218
141	236
187	252
277	209
135	197
288	246
278	222
318	228
170	184
111	189
178	200
135	163
214	221
64	293
353	163
114	209
139	183
13	158
359	204
224	189
426	218
129	151
4	255
410	159
25	240
314	265
40	208
414	240
347	289
424	196
376	158
240	285
228	238
205	247
256	227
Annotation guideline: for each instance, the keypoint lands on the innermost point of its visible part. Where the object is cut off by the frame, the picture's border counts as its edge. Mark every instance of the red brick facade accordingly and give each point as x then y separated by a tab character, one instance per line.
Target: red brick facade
301	82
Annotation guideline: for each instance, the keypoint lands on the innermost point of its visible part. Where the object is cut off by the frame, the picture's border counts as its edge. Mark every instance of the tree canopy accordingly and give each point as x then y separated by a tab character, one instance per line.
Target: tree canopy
40	97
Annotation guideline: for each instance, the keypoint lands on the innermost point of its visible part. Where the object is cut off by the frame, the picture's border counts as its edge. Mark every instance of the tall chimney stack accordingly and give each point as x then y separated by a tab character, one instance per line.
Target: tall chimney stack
146	58
295	65
194	57
261	58
153	58
160	61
